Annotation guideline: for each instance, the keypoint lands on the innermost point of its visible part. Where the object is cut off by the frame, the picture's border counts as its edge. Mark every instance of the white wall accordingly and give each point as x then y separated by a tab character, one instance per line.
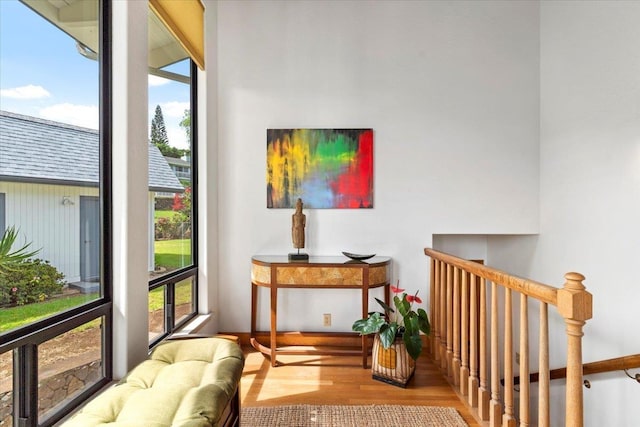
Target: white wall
590	185
451	90
461	245
590	180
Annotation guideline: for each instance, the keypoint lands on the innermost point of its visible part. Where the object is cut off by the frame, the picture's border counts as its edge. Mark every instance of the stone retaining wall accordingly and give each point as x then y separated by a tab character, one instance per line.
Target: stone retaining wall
55	389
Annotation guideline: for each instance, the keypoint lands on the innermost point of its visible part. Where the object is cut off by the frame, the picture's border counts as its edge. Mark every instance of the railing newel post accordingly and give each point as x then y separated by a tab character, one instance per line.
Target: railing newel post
575	305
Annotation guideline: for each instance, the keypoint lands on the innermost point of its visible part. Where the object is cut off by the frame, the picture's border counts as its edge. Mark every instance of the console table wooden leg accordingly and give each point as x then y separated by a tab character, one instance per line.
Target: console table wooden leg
254	307
365	351
274	323
254	304
365	311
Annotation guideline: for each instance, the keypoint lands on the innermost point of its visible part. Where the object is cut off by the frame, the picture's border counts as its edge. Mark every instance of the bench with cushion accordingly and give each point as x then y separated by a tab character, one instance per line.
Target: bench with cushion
187	382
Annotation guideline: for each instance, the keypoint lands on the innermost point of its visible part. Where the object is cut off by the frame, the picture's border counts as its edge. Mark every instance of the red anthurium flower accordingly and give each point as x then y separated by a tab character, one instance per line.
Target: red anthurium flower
414	298
396	289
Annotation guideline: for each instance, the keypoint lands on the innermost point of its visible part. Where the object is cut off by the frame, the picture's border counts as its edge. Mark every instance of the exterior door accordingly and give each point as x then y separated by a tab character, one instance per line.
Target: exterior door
89	239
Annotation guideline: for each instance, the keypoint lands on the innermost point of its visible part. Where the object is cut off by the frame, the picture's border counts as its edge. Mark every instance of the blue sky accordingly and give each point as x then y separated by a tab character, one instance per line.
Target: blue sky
43	75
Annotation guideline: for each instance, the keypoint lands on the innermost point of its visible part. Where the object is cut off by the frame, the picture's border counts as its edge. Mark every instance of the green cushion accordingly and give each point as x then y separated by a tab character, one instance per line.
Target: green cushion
185	383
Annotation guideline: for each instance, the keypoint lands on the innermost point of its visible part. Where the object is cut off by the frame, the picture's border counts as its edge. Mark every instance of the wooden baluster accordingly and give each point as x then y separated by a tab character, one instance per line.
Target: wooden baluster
435	303
524	361
473	348
575	305
543	376
483	391
495	409
449	369
464	368
455	365
443	316
508	418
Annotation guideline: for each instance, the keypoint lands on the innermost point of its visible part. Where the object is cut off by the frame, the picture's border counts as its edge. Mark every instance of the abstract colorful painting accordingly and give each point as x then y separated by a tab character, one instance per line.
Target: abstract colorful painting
326	168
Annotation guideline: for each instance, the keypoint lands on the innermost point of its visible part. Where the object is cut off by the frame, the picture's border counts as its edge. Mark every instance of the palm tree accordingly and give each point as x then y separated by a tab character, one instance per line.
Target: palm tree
8	259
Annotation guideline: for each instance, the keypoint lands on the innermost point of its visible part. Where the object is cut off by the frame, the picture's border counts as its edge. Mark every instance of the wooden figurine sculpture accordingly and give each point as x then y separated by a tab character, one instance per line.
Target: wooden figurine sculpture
298	223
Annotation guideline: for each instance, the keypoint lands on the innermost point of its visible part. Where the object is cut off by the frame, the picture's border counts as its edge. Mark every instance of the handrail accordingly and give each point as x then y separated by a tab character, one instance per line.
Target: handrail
465	322
540	291
599	367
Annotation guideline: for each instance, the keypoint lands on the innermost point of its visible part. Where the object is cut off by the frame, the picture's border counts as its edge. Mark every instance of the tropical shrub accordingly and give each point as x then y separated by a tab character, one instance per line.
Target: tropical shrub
163	229
30	281
10	258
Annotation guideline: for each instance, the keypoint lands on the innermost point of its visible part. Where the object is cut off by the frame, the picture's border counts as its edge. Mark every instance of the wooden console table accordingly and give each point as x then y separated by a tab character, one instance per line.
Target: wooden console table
276	272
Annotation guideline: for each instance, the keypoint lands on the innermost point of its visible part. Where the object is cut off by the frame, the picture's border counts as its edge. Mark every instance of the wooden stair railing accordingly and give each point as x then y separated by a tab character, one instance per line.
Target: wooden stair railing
599	367
463	322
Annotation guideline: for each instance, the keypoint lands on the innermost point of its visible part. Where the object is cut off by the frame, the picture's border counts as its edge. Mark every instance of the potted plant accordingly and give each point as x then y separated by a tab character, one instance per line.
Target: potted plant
397	342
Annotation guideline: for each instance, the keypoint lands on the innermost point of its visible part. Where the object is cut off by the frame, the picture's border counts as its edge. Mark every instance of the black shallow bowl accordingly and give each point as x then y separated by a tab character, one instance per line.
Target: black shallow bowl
358	257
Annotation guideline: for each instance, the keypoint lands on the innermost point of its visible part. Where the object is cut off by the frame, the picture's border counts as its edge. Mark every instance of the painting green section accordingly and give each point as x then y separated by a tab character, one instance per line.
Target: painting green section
335	153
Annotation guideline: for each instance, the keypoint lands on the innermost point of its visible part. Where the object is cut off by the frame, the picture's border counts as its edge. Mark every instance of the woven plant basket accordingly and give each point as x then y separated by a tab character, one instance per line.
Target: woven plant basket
392	365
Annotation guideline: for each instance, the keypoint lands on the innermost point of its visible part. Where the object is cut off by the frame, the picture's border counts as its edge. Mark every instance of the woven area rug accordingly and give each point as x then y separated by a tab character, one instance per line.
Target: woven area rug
350	416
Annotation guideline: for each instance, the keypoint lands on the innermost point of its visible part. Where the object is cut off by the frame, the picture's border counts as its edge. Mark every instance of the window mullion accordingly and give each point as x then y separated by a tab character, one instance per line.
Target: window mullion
25	398
170	305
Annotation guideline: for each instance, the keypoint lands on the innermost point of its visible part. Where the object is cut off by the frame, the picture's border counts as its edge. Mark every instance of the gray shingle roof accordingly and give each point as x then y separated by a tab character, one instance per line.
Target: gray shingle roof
37	150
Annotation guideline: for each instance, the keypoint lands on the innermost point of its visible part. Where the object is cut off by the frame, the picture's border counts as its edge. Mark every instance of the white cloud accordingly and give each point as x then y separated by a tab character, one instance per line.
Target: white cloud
177	136
79	115
25	92
157	81
173	109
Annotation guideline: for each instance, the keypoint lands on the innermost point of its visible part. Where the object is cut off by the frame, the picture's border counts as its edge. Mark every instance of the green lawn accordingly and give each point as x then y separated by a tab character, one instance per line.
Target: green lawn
13	317
164	214
172	254
183	296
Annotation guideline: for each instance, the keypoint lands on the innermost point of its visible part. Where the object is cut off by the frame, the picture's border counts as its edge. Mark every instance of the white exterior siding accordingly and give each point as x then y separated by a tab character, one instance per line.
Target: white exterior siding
37	211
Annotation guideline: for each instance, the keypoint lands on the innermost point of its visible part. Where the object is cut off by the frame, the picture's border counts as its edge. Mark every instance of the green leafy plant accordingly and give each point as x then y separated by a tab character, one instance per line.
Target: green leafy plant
30	281
402	321
10	259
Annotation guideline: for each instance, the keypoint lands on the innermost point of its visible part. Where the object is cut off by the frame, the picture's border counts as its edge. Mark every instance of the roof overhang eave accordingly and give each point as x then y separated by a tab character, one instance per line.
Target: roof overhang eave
72	183
47	181
166	189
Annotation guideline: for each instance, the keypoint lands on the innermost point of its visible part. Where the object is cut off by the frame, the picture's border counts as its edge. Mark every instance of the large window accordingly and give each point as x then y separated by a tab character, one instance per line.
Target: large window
55	309
172	183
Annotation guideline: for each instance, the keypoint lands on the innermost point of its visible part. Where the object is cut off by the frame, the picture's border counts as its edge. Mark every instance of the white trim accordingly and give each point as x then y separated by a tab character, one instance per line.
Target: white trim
208	278
130	181
194	326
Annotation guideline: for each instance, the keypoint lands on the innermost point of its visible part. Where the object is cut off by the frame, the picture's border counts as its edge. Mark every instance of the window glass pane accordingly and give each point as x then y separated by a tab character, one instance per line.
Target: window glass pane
68	364
184	299
15	314
6	389
156	312
169	151
49	155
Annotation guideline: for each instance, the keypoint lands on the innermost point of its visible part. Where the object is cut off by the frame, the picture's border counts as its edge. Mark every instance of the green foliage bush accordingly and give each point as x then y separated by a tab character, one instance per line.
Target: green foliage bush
30	281
172	228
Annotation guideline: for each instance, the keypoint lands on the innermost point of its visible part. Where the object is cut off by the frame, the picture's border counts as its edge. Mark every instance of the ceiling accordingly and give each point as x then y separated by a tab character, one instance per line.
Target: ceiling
79	19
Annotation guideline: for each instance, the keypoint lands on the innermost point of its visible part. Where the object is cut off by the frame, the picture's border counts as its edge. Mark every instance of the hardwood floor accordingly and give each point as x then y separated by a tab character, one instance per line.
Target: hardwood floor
340	380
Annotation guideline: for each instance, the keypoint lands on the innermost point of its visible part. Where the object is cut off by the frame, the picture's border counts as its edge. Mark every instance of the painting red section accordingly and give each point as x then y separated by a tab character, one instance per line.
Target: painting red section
354	187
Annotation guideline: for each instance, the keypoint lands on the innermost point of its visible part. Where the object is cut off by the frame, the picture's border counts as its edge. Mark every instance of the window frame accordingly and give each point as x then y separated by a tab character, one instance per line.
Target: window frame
24	341
170	280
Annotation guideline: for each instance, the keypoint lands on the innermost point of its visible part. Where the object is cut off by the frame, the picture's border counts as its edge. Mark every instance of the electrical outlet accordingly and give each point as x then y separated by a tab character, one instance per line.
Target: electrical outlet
517	358
326	319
